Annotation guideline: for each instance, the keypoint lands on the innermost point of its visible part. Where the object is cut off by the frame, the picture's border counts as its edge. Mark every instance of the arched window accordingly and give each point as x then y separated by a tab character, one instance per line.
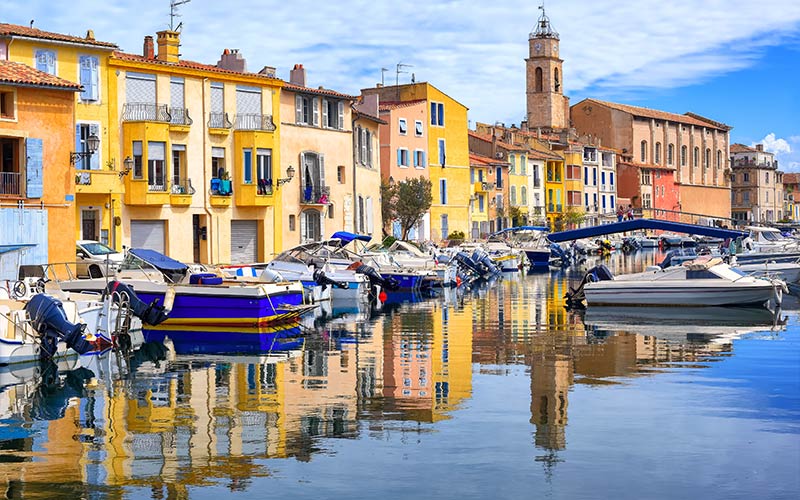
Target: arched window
538	79
707	158
557	80
523	195
513	196
644	151
719	158
683	156
310	226
670	154
696	159
658	153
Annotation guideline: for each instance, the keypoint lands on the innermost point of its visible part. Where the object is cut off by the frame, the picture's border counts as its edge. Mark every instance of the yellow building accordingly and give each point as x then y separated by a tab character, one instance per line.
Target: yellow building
448	154
554	190
573	180
202	156
98	188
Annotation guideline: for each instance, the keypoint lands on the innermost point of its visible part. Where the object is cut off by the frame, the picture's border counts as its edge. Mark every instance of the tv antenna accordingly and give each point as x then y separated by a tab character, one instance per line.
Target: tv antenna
173	13
383	72
400	69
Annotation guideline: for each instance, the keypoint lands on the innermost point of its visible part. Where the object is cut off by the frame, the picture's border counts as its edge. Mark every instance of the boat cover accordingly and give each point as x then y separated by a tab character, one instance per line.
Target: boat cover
519	228
158	260
347	237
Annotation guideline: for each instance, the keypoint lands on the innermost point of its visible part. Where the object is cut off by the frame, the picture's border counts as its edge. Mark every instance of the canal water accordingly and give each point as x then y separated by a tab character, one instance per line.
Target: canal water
497	393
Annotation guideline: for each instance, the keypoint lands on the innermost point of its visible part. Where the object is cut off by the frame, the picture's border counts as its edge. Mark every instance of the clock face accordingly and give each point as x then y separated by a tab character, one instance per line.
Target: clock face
537	46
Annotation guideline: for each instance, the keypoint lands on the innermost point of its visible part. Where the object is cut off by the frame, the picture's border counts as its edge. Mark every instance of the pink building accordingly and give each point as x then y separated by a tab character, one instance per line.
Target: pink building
404	141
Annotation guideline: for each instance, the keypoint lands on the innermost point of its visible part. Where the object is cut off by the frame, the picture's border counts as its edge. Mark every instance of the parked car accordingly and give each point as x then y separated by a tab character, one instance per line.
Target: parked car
93	258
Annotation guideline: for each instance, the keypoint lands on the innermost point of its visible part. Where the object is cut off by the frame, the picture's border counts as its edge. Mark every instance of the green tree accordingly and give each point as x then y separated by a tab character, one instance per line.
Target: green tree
406	202
574	216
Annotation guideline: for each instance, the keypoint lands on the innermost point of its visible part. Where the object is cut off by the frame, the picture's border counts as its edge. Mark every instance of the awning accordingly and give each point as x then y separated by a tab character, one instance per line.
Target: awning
347	237
158	260
14	248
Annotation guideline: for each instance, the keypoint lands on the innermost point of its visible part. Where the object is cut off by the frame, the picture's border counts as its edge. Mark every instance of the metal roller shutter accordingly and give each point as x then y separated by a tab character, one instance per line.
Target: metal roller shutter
140	88
148	234
244	241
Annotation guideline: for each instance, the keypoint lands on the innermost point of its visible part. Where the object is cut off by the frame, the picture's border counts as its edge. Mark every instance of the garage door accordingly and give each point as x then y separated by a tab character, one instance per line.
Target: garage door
244	241
148	234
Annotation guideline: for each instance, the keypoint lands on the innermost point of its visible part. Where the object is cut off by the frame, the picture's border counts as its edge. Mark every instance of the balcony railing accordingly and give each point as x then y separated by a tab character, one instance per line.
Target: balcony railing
157	185
10	183
264	187
219	120
315	195
487	186
182	186
744	162
145	112
83	178
254	122
180	116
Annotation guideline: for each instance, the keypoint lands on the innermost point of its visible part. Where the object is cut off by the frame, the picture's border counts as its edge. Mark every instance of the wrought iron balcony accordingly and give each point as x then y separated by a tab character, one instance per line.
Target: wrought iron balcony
314	195
180	116
10	183
83	178
219	120
157	185
182	186
254	122
487	186
145	112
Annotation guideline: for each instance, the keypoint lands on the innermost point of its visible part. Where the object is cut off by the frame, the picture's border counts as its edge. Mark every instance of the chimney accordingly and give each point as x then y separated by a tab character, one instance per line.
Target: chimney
168	45
267	71
232	60
148	51
297	76
760	147
90	35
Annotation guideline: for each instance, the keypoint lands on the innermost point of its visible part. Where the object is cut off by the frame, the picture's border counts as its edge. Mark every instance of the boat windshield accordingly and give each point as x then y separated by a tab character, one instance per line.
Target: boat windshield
770	236
97	248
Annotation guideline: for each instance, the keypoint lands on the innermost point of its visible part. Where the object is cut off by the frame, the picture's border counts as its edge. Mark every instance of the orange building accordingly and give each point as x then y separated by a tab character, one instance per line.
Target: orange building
36	138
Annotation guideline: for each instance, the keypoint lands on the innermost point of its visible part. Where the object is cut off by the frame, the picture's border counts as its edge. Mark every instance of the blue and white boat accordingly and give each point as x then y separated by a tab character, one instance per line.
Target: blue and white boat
530	239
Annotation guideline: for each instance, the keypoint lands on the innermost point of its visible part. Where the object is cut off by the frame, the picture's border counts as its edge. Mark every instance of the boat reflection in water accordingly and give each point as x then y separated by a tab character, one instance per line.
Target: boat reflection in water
225	340
183	420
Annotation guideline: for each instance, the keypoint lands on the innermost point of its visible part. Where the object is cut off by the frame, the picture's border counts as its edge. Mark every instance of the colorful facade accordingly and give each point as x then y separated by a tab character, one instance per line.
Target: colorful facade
757	192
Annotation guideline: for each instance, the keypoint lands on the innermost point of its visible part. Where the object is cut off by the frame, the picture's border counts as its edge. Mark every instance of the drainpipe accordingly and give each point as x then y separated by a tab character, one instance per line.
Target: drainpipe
206	200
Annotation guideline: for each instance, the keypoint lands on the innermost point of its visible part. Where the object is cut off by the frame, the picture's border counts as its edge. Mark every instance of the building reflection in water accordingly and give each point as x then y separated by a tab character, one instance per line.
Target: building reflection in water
174	423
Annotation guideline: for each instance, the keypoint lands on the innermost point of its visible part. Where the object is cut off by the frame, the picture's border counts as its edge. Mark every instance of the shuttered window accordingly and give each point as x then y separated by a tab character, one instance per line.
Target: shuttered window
217	97
176	93
248	100
89	78
46	61
82	133
34	185
140	88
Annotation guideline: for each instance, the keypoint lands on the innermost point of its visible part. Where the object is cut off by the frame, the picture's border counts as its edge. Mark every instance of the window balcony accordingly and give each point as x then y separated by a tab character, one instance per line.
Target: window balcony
10	184
97	181
219	122
181	192
314	195
256	194
180	118
145	112
254	122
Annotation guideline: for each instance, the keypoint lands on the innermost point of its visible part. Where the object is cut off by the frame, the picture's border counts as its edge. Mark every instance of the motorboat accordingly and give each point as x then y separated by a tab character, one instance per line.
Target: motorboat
702	282
201	299
768	239
532	240
408	255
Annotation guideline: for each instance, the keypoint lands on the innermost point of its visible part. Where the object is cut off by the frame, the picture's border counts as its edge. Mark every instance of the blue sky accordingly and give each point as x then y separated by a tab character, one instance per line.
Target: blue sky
734	61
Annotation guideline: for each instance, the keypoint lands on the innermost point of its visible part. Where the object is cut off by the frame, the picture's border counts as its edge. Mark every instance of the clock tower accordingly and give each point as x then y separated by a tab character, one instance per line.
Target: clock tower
548	108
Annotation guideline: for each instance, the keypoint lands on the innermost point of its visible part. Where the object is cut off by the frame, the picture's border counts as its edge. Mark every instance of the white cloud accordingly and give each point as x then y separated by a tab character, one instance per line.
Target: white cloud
775	144
787	151
472	50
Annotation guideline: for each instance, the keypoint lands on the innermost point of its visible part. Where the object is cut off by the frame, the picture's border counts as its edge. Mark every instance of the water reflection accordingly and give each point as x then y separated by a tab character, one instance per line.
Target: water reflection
175	417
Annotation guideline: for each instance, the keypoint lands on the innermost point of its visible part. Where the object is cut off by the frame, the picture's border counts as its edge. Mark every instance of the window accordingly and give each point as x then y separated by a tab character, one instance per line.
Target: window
670	154
368	148
604	203
612	205
247	166
330	211
178	169
264	170
707	158
719	159
586	176
603	179
7	105
512	196
499	173
766	177
418	128
306	110
696	159
574	198
89	78
644	151
538	79
590	154
683	156
611	179
480	175
512	160
340	174
82	133
402	157
745	177
419	158
292	222
523	195
156	173
443	191
403	126
766	196
586	200
442	155
573	172
733	178
658	153
445	233
177	103
437	114
746	197
332	114
594	176
217	162
646	203
216	118
138	170
646	181
523	166
480	203
46	61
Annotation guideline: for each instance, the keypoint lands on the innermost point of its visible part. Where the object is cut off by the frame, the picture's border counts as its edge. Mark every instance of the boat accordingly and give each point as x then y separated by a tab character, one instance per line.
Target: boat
201	299
702	282
408	255
768	239
532	240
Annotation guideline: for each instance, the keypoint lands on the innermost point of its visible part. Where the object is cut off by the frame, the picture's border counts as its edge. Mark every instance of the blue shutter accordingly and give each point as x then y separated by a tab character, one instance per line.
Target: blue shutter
398	157
248	166
78	146
612	178
85	78
94	79
33	171
594	177
94	162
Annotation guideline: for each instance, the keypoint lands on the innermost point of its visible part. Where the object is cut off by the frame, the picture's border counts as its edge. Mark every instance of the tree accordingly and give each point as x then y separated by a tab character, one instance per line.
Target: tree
574	216
406	202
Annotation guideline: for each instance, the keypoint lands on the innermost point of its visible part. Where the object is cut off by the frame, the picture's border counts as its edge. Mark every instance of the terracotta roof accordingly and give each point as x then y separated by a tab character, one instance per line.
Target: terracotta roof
7	30
791	178
368	116
480	160
183	63
488	138
660	115
320	91
387	105
13	73
741	148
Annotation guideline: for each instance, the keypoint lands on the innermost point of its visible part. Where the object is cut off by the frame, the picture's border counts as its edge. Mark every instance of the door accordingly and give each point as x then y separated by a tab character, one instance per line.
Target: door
89	224
196	234
149	234
244	241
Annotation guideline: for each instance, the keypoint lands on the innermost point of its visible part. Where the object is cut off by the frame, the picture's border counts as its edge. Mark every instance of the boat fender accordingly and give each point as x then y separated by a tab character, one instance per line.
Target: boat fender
50	321
151	314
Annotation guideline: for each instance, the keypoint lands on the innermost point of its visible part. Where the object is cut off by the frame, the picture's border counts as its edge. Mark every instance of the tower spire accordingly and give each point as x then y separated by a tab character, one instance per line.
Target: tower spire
543	28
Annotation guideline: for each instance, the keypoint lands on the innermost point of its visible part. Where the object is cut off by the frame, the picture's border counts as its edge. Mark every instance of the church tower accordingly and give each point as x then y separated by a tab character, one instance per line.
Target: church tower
548	108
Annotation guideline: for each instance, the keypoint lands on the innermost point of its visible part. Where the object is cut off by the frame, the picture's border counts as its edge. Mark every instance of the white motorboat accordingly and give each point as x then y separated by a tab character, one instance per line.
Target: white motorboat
768	239
407	255
703	282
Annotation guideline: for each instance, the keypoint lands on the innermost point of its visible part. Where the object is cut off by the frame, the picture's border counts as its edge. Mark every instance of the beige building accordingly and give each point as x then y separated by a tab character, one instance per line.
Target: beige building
756	185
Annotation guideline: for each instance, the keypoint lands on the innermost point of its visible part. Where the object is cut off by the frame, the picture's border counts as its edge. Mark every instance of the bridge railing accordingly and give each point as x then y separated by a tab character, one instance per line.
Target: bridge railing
687	217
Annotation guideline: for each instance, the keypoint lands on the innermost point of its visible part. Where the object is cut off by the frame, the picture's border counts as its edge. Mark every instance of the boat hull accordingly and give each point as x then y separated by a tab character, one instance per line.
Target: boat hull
538	257
610	293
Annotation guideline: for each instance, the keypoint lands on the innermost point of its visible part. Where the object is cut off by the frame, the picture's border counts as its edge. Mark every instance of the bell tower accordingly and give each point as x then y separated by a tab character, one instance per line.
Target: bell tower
548	108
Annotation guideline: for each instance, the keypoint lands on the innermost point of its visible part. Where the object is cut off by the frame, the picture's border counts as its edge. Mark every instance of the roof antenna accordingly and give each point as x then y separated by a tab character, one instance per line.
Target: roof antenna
31	25
173	13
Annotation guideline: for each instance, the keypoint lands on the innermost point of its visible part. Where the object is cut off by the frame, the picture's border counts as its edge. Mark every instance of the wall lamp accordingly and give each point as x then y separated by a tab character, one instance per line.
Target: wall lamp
127	166
92	143
289	176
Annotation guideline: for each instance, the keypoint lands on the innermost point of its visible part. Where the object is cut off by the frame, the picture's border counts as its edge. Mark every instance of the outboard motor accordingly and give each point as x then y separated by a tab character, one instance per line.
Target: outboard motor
50	321
321	279
389	284
466	262
557	251
271	275
576	296
483	259
151	314
667	262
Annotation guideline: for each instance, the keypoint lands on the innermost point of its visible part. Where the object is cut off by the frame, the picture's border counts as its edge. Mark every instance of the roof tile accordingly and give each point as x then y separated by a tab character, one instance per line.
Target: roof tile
13	73
28	32
689	119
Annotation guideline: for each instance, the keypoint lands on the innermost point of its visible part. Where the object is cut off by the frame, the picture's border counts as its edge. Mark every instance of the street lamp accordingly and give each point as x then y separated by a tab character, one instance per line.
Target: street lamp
92	143
127	166
289	176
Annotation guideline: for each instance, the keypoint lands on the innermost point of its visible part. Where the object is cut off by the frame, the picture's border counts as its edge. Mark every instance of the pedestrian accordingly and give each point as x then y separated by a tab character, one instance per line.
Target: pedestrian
620	213
630	212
